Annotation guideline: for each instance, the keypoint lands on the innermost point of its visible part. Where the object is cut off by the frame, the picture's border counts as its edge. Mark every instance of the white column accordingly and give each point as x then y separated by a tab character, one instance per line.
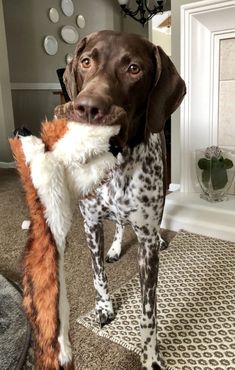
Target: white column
202	24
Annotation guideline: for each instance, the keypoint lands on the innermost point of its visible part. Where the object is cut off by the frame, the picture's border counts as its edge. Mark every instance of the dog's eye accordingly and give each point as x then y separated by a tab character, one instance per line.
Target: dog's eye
134	69
86	62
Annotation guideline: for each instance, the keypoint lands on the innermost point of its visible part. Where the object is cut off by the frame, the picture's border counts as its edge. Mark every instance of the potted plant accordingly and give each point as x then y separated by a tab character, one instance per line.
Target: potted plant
215	172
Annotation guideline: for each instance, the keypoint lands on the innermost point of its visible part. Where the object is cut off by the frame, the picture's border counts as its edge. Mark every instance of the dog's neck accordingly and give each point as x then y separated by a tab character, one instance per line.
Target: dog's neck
140	150
136	134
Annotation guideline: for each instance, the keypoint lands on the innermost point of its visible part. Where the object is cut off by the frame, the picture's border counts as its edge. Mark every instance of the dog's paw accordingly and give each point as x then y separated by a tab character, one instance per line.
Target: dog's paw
156	365
110	258
163	244
104	313
114	252
104	317
153	366
151	361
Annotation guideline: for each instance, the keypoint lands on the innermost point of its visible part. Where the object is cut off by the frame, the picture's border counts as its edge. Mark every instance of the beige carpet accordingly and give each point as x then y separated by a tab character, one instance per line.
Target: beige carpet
14	328
90	351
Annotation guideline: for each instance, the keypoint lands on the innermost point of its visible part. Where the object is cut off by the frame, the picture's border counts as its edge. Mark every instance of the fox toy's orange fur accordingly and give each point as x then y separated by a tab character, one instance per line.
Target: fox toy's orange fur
43	281
40	273
40	262
53	131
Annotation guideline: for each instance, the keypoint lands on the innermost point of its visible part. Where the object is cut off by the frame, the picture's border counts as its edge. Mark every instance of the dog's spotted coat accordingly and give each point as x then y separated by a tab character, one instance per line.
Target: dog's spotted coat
122	78
135	196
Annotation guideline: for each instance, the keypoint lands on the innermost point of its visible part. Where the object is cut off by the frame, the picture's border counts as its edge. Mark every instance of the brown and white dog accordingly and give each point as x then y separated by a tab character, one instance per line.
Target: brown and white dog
113	73
113	79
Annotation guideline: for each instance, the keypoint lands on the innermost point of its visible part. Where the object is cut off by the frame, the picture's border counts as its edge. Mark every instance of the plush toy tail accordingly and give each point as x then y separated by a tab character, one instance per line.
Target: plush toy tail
40	273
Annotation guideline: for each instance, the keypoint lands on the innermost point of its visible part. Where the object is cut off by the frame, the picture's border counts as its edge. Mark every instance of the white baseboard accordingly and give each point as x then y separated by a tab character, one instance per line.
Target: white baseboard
189	212
35	86
174	187
7	165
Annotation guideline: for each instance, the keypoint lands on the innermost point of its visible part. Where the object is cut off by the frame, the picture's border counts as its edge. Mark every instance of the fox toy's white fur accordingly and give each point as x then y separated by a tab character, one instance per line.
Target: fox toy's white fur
77	163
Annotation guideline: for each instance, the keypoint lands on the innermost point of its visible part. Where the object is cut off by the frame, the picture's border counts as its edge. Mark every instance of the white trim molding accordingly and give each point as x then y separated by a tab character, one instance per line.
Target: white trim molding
189	212
35	86
7	165
203	25
174	187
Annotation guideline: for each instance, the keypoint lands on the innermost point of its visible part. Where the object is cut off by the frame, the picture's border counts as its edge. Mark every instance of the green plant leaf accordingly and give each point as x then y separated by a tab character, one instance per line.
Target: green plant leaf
219	177
204	164
228	163
215	170
206	177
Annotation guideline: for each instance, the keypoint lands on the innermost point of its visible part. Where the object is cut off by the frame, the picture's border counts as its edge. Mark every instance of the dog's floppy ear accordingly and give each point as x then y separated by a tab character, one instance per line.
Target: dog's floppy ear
71	77
167	93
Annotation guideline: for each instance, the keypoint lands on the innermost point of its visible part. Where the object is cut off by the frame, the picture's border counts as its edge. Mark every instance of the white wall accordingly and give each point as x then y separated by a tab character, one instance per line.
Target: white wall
27	24
175	123
226	136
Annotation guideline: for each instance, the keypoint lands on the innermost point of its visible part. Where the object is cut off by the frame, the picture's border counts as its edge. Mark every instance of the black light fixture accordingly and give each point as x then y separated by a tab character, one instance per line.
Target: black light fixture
144	11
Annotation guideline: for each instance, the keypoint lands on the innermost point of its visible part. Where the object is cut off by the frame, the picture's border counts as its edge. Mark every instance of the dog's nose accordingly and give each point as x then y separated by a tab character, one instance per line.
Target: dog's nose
91	108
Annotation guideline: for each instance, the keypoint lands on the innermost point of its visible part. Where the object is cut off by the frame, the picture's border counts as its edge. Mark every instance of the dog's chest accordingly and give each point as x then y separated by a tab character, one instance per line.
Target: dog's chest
136	186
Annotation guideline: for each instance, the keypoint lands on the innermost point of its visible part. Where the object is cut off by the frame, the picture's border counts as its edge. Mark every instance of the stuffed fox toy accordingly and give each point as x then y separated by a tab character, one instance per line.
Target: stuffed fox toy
67	163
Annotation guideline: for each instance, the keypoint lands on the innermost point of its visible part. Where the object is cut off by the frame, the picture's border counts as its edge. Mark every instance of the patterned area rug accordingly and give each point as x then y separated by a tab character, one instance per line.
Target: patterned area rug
196	306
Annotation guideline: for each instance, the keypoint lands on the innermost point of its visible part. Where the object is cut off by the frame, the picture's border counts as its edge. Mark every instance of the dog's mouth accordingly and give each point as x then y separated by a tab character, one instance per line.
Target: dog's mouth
117	116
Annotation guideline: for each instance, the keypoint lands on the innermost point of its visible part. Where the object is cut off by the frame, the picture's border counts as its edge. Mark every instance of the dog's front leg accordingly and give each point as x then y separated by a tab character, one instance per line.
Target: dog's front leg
115	250
95	240
148	261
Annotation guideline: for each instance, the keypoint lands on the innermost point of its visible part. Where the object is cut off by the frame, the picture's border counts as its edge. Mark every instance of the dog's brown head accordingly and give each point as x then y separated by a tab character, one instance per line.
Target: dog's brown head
123	78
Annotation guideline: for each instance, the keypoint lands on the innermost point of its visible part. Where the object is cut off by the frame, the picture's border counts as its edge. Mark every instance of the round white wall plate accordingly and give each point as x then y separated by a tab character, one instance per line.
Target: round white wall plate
50	45
67	7
81	21
69	34
53	15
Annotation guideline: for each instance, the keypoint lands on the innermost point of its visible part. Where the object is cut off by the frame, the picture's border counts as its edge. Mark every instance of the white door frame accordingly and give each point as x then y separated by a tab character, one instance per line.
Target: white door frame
203	24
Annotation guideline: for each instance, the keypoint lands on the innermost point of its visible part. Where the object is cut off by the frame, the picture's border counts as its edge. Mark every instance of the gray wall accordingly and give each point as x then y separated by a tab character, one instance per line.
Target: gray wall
6	116
130	25
27	24
175	50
